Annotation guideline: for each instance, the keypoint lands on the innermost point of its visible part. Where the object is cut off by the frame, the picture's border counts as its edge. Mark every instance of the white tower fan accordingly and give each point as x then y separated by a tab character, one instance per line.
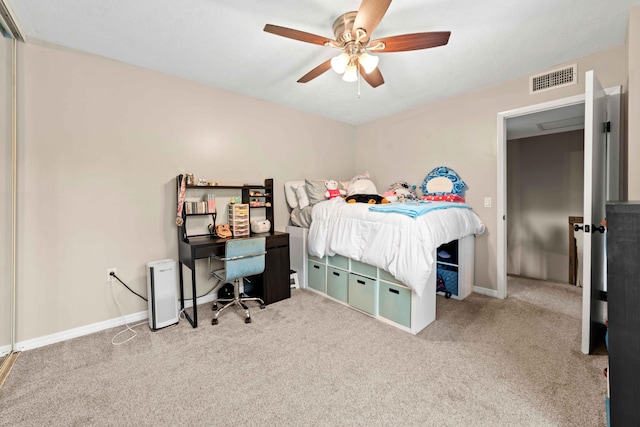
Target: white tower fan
162	293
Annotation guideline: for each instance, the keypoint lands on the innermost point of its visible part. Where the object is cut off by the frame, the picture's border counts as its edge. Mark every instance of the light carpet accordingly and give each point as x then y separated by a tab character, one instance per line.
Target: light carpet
312	361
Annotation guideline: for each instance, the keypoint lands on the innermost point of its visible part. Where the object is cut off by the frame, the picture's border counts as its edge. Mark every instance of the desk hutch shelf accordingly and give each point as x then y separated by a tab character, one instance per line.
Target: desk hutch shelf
260	194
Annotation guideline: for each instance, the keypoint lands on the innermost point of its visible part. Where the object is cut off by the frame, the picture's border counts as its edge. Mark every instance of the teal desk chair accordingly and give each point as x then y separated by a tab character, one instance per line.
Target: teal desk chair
242	258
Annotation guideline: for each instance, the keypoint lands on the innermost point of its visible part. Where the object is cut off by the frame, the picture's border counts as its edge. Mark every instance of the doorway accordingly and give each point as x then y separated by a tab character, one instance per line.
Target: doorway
545	190
556	110
601	183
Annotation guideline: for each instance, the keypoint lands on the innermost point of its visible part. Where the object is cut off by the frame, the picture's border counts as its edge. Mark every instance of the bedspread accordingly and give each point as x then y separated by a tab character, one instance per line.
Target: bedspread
403	246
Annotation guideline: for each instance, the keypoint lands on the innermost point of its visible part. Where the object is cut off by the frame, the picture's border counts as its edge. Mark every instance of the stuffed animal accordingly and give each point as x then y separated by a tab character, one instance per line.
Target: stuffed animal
372	199
362	190
360	184
400	191
332	189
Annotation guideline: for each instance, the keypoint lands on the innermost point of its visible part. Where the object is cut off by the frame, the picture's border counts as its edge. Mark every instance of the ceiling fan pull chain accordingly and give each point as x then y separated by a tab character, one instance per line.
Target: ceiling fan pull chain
359	76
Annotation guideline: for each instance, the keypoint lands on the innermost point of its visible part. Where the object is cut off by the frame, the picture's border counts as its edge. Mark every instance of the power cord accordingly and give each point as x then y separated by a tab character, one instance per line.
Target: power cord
127	326
125	285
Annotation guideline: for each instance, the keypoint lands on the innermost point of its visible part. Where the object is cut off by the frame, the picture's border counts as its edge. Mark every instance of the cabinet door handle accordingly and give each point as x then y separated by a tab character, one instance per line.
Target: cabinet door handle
361	282
335	273
394	291
316	266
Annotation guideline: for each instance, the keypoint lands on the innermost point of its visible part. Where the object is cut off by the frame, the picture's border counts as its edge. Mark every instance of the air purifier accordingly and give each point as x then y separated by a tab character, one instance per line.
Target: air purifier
162	293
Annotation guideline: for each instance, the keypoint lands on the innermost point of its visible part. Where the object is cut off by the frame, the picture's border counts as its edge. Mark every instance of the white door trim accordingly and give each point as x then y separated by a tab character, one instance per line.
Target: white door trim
502	177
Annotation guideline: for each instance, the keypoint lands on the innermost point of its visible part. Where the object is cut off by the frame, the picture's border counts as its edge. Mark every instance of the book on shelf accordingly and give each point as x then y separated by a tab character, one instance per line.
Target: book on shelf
211	203
197	208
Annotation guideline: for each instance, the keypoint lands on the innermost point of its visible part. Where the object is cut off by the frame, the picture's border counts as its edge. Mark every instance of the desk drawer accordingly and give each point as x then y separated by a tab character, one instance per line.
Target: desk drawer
207	251
277	241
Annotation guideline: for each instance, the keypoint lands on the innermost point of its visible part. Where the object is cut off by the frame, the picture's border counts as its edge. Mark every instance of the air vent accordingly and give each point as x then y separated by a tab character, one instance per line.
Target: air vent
554	79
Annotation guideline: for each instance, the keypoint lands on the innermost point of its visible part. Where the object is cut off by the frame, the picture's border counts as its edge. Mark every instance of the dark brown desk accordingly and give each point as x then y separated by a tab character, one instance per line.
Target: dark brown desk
272	285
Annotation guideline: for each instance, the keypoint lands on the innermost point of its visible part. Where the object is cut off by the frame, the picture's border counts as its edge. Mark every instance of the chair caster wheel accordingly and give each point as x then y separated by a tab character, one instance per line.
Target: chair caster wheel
447	295
215	307
247	320
214	322
262	306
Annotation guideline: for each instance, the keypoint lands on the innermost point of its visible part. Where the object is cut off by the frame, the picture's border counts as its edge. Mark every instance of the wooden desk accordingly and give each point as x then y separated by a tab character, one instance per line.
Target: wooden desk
273	283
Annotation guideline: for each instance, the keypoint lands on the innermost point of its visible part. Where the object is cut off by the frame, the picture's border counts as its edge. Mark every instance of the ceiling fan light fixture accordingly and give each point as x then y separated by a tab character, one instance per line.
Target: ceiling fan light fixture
368	62
340	62
351	73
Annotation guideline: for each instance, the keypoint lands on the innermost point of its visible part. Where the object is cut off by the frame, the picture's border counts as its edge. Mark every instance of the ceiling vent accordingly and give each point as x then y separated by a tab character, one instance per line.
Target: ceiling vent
554	79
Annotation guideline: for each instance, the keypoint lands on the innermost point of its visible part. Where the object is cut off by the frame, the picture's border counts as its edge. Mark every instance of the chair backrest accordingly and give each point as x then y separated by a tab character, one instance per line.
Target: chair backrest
250	257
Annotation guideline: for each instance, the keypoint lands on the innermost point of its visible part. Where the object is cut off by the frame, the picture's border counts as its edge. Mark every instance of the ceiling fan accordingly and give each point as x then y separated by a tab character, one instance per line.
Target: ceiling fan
352	32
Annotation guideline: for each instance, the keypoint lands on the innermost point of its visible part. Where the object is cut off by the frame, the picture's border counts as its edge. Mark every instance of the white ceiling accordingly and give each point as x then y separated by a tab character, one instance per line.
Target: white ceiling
221	43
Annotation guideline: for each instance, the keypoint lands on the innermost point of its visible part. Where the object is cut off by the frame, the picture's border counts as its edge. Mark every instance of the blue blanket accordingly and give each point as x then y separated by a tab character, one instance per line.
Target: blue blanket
415	209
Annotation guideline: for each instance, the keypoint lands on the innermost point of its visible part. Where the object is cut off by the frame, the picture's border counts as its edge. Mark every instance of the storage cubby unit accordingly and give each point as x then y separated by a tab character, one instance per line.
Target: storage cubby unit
455	282
376	292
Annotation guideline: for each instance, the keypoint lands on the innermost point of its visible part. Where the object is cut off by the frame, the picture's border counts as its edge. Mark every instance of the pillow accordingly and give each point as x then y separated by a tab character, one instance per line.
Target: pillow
290	188
442	180
444	198
360	184
315	190
303	198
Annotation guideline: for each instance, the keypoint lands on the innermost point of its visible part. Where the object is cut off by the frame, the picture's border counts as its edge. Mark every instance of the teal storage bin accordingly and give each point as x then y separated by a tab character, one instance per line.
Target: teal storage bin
317	276
337	284
362	293
338	261
363	269
394	303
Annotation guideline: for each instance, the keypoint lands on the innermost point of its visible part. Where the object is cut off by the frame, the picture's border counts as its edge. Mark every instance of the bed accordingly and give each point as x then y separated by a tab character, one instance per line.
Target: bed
399	241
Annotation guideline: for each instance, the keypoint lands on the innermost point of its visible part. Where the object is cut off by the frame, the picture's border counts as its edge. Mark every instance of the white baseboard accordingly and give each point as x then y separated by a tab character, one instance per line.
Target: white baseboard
4	350
90	329
485	291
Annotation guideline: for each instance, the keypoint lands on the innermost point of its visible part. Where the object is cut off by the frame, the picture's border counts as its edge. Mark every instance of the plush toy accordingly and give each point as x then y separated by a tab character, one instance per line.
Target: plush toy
400	191
332	189
372	199
360	184
362	190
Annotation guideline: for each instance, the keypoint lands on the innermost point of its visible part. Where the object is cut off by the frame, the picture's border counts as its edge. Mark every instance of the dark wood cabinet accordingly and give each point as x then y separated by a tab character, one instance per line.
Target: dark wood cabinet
623	297
276	272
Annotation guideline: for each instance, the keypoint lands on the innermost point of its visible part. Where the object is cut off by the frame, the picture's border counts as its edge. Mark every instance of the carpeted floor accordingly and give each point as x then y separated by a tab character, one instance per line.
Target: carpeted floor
311	361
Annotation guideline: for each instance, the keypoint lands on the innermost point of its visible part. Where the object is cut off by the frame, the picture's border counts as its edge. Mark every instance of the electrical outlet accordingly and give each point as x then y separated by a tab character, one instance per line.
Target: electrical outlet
111	278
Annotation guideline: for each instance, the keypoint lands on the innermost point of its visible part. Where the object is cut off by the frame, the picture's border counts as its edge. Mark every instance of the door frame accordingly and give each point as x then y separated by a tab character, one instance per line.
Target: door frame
502	173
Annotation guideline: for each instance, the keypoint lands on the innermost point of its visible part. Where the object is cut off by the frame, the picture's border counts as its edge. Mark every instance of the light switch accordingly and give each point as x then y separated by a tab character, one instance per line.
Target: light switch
487	202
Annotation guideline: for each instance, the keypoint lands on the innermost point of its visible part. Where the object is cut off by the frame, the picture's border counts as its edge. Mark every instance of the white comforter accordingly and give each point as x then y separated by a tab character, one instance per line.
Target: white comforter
403	246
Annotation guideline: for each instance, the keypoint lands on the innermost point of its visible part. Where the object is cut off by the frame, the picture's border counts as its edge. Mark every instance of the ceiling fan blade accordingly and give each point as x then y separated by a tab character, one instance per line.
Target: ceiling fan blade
415	41
374	78
322	68
369	16
295	34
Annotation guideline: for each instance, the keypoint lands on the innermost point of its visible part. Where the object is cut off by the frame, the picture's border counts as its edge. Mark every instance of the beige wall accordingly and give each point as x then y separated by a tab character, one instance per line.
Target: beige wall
634	104
101	144
461	133
5	195
545	185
